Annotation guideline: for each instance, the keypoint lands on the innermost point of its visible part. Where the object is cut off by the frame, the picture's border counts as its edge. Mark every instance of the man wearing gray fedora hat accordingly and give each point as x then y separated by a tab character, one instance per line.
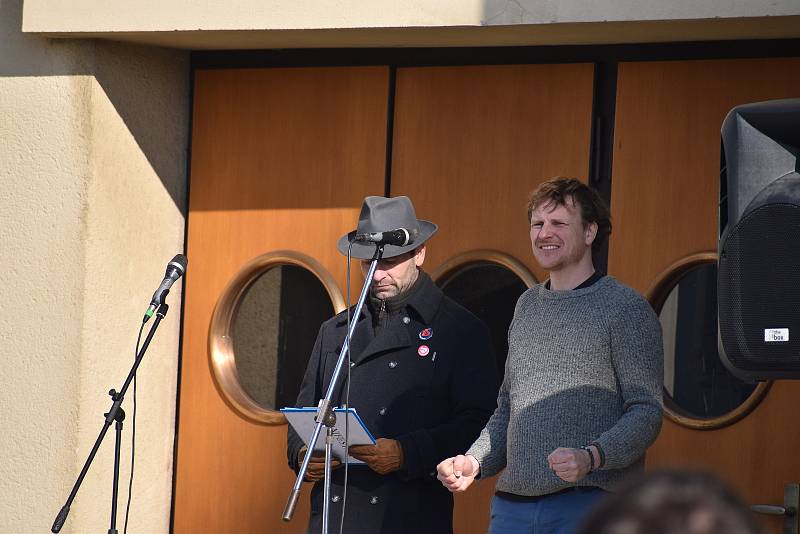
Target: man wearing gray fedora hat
423	379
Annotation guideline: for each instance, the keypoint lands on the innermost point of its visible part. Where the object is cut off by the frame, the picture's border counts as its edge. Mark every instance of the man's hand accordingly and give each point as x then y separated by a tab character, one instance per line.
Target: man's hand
570	465
458	472
316	465
385	457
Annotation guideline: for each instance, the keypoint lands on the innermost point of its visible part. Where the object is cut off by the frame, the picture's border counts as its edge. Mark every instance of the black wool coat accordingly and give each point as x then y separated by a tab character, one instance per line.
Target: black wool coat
434	402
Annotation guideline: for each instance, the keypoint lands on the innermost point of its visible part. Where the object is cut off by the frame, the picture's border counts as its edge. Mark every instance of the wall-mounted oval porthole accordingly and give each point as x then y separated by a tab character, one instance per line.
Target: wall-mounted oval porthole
699	391
487	283
263	330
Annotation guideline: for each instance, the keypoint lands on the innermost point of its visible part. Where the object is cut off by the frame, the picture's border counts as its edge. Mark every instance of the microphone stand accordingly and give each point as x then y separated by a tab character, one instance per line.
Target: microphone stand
325	414
116	413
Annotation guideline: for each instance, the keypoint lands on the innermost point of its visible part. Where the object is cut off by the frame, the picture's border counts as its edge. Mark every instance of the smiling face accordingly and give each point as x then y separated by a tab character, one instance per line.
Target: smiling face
560	240
395	275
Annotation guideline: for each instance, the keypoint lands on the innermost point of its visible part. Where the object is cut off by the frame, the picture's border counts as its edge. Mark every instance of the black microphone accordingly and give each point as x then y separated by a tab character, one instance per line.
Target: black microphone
399	237
175	269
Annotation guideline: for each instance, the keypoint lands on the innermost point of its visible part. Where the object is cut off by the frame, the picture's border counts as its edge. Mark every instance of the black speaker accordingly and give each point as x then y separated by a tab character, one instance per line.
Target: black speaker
758	284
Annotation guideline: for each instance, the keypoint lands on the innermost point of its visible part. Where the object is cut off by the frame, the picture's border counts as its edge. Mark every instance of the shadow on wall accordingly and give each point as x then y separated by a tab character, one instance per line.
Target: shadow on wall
141	96
515	12
151	76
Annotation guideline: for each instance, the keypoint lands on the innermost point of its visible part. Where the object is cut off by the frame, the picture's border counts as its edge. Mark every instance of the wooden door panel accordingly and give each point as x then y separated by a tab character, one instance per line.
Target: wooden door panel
281	159
664	200
469	144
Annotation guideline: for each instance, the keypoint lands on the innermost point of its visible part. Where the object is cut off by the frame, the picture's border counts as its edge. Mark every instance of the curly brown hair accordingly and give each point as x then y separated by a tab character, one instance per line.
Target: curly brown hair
560	190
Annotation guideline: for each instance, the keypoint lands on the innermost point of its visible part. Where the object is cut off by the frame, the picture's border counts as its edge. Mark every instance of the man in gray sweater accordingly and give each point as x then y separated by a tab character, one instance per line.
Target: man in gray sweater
581	399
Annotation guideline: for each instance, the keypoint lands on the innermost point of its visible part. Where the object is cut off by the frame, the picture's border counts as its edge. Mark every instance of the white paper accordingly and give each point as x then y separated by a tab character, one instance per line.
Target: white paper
302	421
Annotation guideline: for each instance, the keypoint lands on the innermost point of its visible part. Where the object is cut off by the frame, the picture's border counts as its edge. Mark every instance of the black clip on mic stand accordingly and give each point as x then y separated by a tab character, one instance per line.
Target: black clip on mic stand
326	416
116	413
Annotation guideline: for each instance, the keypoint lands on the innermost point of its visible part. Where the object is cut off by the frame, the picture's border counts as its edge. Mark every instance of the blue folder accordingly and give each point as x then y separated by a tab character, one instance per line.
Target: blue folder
302	421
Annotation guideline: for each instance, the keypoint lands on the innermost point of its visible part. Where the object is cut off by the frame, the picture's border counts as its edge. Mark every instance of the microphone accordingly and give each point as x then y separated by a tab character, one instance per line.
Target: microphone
399	237
175	269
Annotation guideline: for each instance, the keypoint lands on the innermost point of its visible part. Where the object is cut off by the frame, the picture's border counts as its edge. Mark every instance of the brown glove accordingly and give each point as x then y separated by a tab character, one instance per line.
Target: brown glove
316	465
385	457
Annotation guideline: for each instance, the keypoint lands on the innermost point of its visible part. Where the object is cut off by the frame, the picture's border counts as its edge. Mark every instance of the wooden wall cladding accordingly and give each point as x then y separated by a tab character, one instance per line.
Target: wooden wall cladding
281	159
470	143
665	193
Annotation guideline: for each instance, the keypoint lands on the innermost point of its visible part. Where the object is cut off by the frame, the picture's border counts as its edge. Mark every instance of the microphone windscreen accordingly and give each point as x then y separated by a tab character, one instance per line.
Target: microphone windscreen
180	261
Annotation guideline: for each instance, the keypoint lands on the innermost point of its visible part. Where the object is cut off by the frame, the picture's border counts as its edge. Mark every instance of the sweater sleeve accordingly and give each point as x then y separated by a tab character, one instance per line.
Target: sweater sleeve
637	357
490	447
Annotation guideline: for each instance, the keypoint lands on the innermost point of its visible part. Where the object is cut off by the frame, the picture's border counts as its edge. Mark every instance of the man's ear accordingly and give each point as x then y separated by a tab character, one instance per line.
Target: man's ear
590	233
419	256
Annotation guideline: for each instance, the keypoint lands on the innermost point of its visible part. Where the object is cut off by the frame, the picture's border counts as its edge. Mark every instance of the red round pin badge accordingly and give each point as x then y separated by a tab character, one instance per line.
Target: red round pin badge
423	350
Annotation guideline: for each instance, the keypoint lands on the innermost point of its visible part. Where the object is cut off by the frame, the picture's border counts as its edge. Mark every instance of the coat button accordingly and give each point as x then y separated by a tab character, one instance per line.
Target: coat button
382	411
392	364
335	498
352	364
373	500
406	320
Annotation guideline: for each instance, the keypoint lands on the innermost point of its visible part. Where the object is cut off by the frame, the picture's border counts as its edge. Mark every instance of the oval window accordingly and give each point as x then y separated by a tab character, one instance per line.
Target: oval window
263	330
699	391
487	283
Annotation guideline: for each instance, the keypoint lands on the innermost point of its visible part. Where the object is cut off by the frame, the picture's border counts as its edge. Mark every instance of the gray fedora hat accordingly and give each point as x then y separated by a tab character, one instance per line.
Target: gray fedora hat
382	214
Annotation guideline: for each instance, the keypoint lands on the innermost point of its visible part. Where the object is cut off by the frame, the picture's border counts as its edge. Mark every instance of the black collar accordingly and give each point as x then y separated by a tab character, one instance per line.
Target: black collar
597	275
424	302
427	299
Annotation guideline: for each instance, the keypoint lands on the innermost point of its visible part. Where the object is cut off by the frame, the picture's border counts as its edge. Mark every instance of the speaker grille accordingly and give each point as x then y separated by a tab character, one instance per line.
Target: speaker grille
759	288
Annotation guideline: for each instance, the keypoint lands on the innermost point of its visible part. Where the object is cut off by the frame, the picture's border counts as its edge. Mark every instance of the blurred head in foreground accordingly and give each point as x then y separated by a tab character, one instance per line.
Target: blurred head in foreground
670	502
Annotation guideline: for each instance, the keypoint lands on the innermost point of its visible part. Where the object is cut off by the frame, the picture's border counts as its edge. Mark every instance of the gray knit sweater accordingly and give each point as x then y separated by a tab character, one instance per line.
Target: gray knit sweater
584	367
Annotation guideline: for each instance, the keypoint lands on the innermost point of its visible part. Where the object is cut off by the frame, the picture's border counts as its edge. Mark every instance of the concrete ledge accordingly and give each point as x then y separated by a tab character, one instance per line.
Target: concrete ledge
579	33
248	24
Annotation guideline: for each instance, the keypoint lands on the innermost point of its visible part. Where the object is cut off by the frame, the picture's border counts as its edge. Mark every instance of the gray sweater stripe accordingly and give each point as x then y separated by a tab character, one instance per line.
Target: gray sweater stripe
584	366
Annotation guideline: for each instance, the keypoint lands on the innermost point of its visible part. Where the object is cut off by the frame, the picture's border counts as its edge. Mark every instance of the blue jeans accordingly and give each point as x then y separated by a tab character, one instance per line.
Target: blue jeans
560	513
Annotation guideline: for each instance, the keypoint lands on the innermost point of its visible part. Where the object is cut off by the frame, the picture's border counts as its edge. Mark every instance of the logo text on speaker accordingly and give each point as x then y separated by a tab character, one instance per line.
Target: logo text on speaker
776	334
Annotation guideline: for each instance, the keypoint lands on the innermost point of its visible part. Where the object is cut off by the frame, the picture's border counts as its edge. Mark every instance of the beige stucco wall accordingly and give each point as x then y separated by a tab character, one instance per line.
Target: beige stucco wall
92	166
